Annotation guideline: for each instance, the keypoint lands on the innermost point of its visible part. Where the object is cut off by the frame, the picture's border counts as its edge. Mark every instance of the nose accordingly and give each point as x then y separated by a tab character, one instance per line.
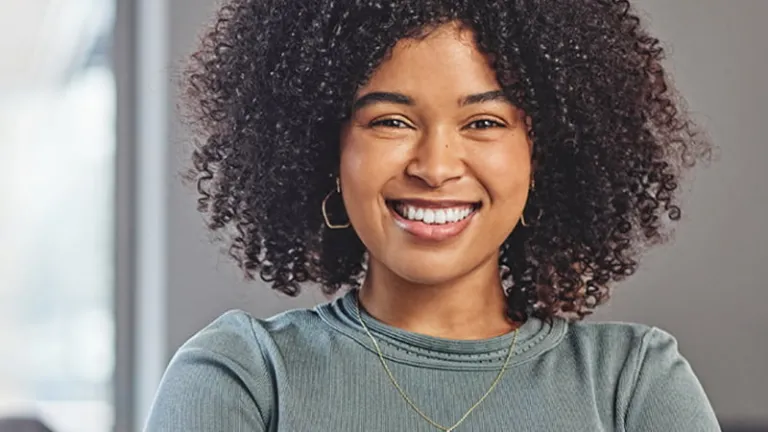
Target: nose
437	159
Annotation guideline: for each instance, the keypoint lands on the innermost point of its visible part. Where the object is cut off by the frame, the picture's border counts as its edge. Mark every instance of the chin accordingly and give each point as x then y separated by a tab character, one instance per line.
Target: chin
430	269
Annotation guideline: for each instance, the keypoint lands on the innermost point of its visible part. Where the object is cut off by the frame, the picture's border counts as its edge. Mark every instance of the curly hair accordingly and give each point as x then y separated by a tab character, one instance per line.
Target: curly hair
274	80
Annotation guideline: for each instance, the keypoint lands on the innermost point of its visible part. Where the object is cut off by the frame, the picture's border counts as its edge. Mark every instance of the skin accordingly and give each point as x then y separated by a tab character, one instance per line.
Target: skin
435	148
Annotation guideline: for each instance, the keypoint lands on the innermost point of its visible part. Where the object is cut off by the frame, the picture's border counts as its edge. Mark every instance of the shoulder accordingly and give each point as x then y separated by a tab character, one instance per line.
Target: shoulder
612	345
623	348
255	344
613	332
222	378
657	387
626	341
237	331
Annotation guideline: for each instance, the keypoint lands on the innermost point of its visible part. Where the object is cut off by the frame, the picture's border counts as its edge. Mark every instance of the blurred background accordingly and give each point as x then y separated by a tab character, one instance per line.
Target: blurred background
105	267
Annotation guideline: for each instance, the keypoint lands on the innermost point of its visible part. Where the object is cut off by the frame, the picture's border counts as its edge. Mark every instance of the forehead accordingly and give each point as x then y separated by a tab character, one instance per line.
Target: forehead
446	61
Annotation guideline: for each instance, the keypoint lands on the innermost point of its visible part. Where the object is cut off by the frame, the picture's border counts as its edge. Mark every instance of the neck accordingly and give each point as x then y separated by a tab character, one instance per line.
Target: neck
468	308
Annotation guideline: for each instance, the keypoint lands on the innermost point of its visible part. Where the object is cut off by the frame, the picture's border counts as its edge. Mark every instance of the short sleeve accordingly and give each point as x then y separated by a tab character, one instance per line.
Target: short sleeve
667	396
217	381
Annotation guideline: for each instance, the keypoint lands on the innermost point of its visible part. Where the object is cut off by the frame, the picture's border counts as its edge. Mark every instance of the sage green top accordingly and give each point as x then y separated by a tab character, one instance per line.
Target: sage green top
316	370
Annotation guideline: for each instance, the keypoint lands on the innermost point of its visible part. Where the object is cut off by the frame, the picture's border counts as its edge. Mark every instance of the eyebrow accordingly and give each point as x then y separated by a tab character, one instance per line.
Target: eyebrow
382	97
490	96
401	99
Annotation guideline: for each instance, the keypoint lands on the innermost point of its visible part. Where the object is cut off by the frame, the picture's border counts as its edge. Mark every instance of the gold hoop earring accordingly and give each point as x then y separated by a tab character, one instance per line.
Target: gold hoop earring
522	215
325	211
522	218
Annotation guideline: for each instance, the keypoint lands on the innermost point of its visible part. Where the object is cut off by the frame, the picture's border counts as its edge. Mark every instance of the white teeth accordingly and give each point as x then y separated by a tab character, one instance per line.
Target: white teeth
440	216
434	216
429	216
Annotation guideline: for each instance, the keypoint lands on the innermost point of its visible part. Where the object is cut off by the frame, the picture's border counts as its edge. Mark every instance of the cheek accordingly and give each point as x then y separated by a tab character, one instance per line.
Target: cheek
367	164
505	173
365	168
353	161
352	169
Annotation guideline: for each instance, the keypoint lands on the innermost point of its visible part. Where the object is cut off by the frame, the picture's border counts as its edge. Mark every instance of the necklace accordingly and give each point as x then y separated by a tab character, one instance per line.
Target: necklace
408	400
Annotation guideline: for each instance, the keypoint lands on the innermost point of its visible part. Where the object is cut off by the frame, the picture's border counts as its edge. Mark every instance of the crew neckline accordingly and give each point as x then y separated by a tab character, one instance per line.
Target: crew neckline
534	337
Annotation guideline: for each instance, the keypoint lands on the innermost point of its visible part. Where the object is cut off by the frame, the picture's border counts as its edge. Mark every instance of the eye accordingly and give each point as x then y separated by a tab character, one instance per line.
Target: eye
485	124
390	123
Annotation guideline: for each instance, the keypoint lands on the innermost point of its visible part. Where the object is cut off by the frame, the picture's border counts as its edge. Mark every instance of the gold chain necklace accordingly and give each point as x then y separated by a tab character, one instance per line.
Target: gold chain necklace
405	396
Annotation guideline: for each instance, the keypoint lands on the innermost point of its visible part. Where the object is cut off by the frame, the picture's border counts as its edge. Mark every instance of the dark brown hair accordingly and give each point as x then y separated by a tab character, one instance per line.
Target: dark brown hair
273	81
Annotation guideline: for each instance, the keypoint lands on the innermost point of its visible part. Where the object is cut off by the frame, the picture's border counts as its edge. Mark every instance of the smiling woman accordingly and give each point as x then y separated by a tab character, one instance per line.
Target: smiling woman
477	175
433	137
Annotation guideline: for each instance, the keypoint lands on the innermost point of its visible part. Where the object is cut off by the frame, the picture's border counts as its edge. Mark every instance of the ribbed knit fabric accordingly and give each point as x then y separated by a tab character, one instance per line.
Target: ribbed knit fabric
316	369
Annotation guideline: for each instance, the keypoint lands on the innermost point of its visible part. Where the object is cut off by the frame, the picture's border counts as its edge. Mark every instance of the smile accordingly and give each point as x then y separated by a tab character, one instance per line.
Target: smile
434	221
436	216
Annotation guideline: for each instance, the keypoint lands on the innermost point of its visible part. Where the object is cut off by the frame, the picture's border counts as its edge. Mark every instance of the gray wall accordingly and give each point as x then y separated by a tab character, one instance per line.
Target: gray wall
706	287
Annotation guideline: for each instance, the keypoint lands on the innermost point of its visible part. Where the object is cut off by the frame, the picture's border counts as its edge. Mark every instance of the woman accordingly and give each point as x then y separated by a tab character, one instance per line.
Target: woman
477	175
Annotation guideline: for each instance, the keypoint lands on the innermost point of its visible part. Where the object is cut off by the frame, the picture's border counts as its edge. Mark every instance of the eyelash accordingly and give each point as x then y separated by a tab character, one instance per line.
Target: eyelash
384	121
494	123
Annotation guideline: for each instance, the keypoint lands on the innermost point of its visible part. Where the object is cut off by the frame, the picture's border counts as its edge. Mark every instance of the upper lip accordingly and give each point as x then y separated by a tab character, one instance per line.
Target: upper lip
431	203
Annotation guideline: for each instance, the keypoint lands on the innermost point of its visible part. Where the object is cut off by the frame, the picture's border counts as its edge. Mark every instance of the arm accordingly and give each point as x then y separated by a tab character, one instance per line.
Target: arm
216	382
667	395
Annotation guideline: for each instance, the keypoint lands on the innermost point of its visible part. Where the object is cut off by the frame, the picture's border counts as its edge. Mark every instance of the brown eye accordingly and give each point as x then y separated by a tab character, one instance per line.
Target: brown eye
390	123
485	124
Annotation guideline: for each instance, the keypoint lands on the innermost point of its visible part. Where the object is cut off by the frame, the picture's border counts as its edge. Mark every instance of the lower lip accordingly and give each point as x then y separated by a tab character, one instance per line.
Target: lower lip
432	232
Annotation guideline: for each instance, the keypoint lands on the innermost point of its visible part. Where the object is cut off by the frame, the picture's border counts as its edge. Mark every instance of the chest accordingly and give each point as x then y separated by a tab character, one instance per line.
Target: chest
341	396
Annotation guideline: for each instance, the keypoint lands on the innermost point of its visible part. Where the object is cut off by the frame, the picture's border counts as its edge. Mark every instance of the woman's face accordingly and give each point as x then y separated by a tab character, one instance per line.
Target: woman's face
435	162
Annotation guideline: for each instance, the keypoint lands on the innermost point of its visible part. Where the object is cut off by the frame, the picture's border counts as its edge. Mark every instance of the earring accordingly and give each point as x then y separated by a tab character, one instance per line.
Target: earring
325	211
522	215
